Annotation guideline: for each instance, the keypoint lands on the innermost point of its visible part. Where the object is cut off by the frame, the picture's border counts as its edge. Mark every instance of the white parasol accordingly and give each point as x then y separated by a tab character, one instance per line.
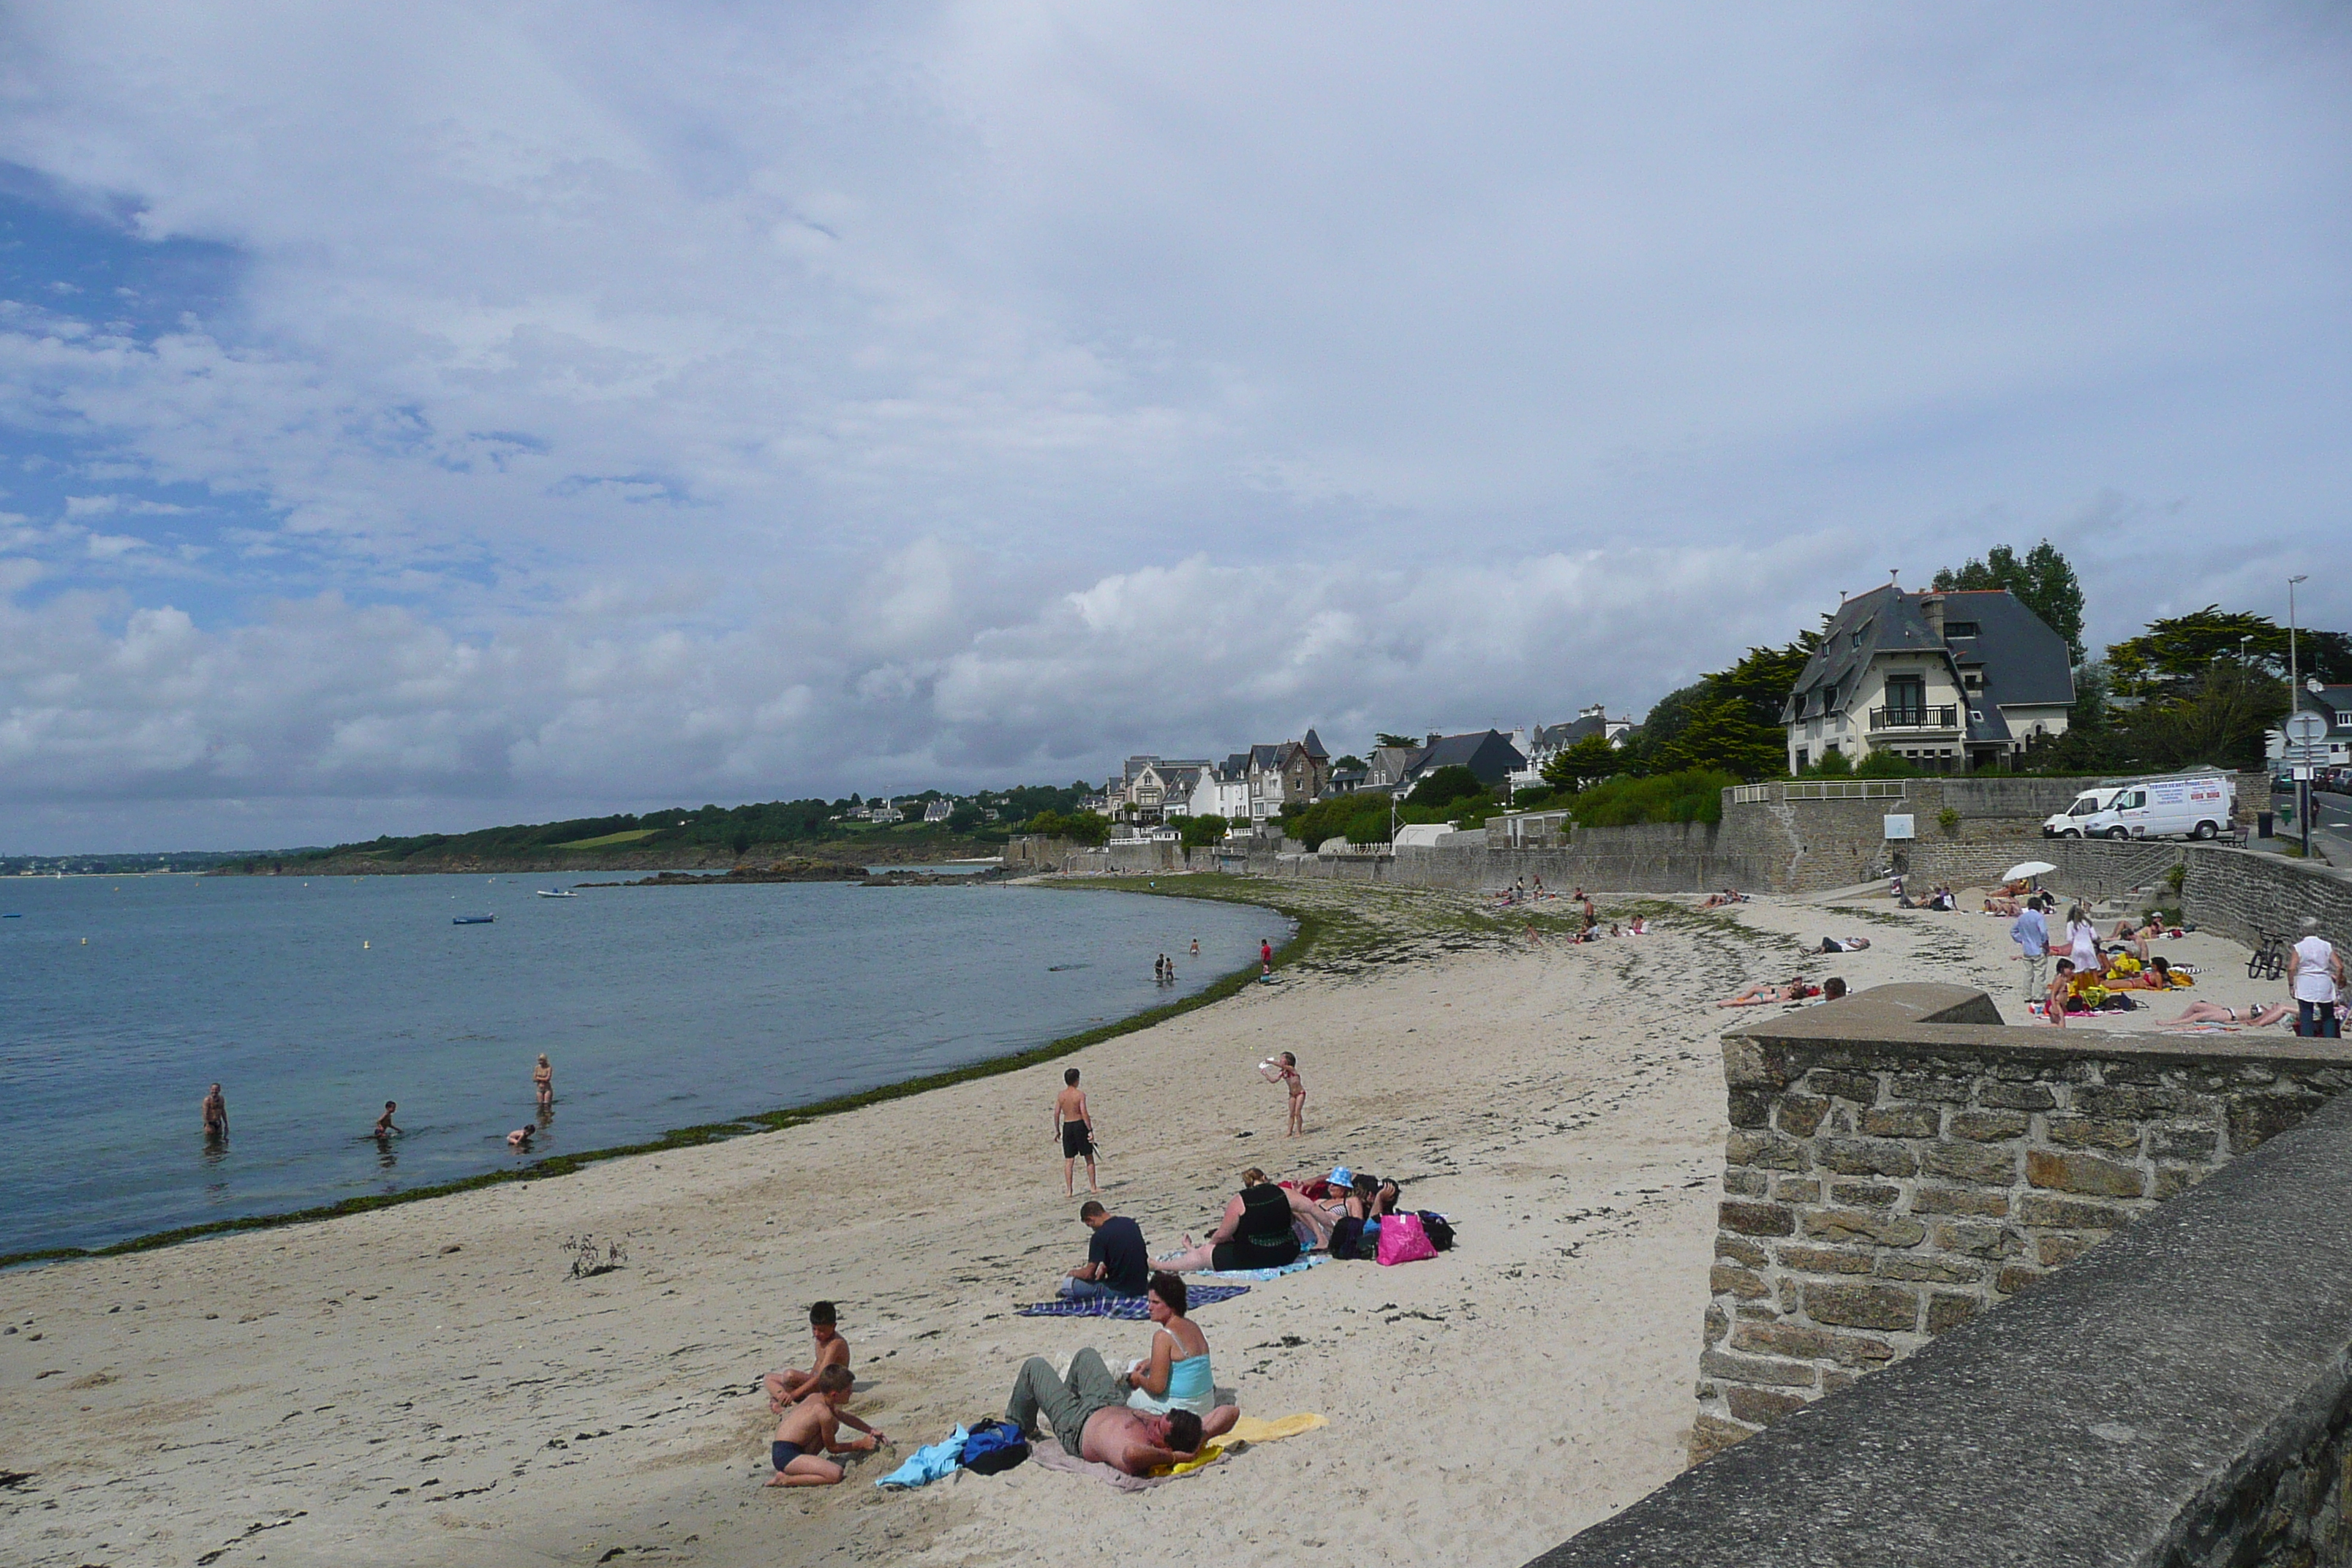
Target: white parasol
2025	868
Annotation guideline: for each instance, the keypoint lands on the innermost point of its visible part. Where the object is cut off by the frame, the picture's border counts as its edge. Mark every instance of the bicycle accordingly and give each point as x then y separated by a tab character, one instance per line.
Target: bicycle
2269	961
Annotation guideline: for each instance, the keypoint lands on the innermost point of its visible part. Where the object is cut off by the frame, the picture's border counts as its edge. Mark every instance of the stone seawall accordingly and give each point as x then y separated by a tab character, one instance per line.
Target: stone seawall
2180	1397
1899	1163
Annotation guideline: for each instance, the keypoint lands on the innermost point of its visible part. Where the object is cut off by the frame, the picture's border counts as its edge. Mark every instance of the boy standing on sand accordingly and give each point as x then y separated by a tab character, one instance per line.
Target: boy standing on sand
792	1384
1286	1072
809	1426
1075	1125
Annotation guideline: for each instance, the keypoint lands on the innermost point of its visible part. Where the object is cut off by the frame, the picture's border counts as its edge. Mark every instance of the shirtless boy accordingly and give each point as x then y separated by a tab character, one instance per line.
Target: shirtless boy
1286	1072
792	1384
383	1127
216	1113
809	1426
1089	1414
1075	1125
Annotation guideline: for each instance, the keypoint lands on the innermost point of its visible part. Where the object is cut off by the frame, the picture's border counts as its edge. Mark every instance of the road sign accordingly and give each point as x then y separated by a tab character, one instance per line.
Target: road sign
2305	728
1899	827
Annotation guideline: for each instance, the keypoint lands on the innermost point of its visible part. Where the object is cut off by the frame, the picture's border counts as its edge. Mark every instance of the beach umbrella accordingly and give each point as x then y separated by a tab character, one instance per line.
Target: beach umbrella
2024	869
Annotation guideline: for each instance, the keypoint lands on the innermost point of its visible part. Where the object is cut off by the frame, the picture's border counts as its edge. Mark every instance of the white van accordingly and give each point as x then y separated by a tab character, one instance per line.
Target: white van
2200	805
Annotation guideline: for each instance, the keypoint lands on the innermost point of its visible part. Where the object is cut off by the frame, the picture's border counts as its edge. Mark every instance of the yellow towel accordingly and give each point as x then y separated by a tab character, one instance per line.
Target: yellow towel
1248	1429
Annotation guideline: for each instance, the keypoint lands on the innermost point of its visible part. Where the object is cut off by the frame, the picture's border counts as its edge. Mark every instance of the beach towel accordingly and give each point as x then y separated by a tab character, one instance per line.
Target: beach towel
1260	1276
1130	1309
927	1464
1246	1431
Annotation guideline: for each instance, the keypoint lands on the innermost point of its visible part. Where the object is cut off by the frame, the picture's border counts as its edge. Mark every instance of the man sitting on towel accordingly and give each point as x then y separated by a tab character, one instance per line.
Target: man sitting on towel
1091	1420
1117	1263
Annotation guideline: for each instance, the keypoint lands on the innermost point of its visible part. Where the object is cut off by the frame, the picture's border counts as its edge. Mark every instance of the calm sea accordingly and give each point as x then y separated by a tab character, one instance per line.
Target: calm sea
312	1004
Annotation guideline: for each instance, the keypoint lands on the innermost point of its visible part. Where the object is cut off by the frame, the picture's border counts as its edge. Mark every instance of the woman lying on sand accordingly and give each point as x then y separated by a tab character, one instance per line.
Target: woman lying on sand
1175	1375
2201	1011
1256	1233
1764	993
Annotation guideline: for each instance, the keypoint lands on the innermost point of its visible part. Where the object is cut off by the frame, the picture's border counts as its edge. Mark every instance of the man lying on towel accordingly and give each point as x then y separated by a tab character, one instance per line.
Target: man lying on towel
1089	1414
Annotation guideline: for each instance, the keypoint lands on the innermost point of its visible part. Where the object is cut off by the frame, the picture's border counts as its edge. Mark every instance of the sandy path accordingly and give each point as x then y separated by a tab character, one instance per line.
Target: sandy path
422	1385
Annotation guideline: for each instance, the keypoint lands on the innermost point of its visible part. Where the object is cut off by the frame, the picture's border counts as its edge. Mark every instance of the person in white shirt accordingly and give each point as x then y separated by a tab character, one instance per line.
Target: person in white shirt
2315	972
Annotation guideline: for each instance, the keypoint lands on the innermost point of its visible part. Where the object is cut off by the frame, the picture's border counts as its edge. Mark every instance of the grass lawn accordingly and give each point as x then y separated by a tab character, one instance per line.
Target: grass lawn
631	836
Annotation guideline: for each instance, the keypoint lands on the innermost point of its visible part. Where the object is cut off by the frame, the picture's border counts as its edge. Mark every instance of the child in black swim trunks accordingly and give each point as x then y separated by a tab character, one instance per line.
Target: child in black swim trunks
808	1431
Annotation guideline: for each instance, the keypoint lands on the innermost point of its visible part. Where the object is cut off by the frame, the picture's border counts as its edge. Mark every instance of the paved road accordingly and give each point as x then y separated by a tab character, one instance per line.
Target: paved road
2331	824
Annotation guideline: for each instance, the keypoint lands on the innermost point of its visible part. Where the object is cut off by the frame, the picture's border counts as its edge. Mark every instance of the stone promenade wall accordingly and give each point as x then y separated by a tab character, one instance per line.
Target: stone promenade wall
1899	1163
2180	1397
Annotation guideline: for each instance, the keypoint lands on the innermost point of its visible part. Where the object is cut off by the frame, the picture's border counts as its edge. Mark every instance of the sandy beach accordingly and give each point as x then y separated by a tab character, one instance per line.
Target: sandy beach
425	1384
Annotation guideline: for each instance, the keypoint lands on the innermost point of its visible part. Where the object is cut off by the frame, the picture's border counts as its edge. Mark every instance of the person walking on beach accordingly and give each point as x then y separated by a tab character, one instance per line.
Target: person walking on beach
2032	934
216	1113
2316	974
1264	957
543	1078
1075	1125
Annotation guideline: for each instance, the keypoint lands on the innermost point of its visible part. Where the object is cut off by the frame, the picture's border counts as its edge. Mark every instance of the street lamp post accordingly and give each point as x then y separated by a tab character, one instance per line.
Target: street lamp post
2294	706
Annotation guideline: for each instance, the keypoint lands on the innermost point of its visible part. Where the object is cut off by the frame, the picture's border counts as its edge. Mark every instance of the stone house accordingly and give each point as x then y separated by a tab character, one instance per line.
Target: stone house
1951	682
1292	771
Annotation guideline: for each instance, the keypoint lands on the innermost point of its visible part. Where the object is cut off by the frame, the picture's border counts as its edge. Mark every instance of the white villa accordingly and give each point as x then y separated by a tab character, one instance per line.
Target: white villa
1951	682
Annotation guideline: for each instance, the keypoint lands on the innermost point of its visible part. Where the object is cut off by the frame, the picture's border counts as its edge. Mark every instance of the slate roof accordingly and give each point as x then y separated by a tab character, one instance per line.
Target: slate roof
1488	754
1572	732
2021	661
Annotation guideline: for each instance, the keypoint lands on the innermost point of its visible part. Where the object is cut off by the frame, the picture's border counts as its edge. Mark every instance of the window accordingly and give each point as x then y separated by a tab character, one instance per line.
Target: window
1959	628
1907	699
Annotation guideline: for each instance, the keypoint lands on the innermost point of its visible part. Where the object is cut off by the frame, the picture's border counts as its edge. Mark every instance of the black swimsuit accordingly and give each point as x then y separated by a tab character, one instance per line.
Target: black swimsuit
1263	1238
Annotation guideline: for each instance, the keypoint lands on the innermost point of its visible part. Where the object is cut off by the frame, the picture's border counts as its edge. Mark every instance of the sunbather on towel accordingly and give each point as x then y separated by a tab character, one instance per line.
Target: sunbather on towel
1175	1375
2259	1014
1256	1232
1088	1413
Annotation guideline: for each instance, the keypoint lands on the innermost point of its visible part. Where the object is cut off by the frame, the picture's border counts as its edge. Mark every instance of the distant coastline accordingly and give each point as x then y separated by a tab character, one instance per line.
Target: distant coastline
858	853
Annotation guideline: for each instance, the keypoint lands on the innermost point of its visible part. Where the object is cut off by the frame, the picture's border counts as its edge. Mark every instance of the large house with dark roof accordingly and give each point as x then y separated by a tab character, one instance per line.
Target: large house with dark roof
1951	682
1488	754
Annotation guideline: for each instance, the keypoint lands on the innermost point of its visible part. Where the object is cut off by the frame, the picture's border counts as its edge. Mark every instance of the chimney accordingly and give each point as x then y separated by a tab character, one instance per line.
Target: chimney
1931	606
1433	738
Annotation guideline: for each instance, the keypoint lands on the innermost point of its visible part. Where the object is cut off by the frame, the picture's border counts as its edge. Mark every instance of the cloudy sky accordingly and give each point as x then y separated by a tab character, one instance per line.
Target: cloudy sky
429	415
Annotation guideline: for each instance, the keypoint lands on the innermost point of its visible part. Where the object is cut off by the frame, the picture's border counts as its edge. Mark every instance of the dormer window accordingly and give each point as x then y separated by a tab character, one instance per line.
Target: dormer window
1959	628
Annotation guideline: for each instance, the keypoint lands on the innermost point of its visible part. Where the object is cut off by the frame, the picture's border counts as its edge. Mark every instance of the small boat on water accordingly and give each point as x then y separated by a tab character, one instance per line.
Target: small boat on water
473	920
557	893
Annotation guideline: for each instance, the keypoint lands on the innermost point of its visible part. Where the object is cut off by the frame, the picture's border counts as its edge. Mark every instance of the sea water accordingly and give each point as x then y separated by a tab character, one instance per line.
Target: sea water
122	999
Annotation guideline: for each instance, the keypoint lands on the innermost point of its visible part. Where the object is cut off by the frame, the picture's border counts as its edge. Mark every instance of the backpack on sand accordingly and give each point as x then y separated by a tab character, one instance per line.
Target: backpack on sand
1440	1234
991	1447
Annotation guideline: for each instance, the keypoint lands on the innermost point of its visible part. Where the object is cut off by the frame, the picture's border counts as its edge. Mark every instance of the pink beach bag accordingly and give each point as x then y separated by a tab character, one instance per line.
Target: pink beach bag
1402	1239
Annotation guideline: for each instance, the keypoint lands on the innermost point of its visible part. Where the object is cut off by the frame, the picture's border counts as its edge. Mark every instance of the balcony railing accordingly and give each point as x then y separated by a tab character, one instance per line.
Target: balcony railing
1922	717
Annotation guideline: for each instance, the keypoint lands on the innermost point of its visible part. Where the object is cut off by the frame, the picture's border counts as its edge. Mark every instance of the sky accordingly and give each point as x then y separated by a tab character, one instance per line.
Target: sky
415	418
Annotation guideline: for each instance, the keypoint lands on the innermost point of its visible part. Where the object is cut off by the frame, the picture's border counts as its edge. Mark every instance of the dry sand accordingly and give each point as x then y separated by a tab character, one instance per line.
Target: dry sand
424	1385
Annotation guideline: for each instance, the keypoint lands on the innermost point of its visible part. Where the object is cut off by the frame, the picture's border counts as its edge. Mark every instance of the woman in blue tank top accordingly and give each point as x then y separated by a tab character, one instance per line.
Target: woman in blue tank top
1175	1375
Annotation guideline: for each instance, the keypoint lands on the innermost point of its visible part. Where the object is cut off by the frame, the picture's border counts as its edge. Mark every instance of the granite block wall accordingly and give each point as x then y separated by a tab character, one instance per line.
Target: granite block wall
1896	1165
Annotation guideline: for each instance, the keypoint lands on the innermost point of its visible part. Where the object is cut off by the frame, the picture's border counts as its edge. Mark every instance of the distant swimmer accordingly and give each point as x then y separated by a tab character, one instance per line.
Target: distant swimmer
383	1127
1196	947
542	1077
520	1139
216	1114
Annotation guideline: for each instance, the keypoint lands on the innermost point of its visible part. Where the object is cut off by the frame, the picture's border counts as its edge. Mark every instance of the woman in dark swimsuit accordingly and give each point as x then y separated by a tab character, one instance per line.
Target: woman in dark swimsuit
1256	1232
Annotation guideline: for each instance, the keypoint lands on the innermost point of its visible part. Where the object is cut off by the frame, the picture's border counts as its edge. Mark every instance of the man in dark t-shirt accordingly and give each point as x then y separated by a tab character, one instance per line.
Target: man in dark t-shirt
1117	1263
